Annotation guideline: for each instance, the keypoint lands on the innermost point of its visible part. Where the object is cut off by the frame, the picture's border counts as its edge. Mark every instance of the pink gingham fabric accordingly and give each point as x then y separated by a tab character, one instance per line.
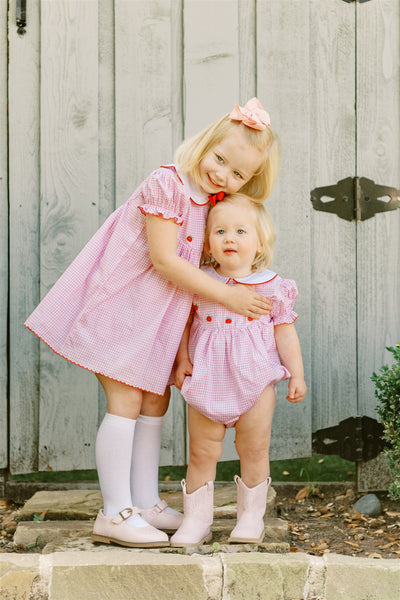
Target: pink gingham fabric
234	358
111	312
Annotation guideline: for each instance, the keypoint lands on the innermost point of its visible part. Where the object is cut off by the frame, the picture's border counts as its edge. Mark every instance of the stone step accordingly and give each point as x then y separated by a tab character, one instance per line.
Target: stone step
56	536
85	504
125	574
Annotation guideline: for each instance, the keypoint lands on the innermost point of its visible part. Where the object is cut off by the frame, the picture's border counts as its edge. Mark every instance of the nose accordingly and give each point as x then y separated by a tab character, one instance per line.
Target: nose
220	175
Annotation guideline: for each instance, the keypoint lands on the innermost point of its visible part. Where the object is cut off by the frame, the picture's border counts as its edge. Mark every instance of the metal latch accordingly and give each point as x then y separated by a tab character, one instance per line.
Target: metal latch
355	198
355	439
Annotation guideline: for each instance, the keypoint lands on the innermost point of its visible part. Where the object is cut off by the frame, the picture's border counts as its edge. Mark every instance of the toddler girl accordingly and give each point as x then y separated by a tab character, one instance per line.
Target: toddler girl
120	308
231	363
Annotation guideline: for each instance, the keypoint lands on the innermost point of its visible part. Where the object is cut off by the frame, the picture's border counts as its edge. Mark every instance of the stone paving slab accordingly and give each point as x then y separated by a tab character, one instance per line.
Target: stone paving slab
122	574
85	504
58	536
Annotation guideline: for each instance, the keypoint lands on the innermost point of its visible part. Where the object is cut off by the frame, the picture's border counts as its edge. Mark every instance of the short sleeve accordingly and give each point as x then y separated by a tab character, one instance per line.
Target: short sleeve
163	195
283	299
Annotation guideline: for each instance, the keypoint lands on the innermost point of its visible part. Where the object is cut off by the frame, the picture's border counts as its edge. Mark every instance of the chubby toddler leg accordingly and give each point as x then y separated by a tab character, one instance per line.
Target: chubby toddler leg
205	449
253	436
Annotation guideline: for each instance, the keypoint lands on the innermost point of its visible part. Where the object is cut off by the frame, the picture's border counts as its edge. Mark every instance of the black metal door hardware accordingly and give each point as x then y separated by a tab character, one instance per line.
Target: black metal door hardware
355	439
20	16
355	198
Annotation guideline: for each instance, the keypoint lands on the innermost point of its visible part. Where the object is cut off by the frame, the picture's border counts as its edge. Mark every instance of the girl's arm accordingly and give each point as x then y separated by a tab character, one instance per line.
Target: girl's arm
183	363
162	235
288	345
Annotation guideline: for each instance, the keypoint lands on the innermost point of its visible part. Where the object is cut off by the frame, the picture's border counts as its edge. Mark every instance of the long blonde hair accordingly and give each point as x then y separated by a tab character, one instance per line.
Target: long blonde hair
264	226
192	151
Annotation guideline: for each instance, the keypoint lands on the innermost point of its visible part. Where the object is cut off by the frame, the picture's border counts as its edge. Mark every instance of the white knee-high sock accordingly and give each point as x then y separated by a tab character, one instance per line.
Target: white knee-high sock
113	457
145	461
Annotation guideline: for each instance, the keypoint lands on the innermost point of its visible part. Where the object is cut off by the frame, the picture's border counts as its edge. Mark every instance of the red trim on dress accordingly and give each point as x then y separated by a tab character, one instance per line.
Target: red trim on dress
87	368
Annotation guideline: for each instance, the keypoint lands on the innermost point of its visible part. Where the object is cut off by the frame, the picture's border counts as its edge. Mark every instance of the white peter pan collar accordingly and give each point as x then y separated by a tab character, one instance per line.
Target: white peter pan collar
193	190
253	279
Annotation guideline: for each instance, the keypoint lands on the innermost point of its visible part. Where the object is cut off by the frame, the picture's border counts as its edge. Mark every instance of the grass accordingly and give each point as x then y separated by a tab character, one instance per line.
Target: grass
314	468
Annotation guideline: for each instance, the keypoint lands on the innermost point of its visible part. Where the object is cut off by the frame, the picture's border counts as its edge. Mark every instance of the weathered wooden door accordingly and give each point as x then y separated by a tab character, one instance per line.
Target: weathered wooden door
102	91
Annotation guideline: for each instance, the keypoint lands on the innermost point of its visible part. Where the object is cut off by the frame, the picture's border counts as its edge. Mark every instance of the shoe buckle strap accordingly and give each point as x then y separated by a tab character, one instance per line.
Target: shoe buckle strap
123	515
160	507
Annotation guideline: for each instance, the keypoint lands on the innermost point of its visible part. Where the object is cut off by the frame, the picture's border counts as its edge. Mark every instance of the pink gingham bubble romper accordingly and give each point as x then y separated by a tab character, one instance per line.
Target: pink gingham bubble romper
235	358
111	312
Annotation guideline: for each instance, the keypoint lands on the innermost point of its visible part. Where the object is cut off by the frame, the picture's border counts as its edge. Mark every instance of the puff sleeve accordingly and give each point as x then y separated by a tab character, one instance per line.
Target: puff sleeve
163	194
283	299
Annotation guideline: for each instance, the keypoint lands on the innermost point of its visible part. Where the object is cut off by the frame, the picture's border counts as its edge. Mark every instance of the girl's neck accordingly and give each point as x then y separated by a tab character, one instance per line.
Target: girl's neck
234	273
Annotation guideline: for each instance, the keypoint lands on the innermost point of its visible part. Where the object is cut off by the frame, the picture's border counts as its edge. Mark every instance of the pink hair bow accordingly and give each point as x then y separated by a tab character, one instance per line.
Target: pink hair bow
251	114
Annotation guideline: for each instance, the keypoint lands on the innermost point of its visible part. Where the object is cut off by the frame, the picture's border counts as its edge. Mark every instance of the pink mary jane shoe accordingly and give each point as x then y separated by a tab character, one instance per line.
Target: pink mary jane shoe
157	517
114	529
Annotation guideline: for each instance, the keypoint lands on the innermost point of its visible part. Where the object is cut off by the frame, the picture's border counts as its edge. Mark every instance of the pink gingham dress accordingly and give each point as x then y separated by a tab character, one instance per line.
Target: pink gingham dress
111	312
235	358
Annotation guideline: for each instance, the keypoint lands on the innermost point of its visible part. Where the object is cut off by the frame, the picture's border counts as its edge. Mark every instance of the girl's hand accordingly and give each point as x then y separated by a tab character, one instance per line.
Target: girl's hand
297	389
244	300
184	368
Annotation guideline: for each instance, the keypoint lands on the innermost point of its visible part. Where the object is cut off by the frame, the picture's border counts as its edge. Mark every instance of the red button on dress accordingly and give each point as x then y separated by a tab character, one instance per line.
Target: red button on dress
189	238
228	320
209	318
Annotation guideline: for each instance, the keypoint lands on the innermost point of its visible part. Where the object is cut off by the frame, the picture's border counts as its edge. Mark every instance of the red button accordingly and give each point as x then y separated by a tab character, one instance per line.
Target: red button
189	238
228	320
209	318
249	318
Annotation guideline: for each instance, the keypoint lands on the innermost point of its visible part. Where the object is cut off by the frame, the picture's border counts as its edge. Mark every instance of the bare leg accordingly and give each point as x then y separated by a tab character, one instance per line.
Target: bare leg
253	436
205	449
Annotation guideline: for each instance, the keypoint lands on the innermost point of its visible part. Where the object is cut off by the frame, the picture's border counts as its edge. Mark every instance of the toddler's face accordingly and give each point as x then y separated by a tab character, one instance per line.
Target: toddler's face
233	239
229	165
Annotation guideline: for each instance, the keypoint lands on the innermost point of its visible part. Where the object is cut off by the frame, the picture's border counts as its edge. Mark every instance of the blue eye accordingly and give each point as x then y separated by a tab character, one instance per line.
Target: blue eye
219	158
240	231
220	231
237	174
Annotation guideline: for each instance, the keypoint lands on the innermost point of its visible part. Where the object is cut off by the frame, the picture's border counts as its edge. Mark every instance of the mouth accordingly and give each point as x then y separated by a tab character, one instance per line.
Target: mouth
230	251
213	182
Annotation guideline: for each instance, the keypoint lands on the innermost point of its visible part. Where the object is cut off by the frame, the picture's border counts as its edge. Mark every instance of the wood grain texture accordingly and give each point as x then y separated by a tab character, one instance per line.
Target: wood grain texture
24	191
333	291
378	239
3	240
283	86
145	60
69	214
211	61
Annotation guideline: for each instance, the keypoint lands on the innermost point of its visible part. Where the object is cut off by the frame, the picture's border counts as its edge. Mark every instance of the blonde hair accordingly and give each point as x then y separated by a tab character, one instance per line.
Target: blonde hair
264	226
192	151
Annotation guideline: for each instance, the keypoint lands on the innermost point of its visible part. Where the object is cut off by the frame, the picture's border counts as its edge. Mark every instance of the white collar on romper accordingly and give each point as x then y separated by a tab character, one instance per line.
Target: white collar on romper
252	279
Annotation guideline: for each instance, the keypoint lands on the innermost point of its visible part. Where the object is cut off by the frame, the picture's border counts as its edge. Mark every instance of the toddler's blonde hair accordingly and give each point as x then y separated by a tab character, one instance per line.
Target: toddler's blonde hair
192	151
265	231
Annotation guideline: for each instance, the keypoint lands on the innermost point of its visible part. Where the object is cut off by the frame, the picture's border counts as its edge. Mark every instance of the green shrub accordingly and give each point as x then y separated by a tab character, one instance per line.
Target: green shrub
387	391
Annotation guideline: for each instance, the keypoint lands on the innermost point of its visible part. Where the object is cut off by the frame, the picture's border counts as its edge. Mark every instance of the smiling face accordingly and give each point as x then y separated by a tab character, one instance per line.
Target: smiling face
229	165
232	238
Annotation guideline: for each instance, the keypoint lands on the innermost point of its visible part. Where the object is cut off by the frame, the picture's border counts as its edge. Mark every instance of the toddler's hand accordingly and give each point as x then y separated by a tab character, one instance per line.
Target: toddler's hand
297	389
183	368
244	300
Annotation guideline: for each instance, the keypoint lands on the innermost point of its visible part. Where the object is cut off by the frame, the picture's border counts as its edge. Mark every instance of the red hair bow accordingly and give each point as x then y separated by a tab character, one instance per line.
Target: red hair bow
216	198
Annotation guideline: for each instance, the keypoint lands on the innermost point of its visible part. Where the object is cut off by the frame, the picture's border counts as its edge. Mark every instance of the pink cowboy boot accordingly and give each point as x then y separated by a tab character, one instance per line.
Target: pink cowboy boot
251	505
198	517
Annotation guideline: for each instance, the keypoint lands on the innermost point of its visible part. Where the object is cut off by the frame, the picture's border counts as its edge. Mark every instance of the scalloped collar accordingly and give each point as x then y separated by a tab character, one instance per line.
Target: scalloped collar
195	196
253	279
